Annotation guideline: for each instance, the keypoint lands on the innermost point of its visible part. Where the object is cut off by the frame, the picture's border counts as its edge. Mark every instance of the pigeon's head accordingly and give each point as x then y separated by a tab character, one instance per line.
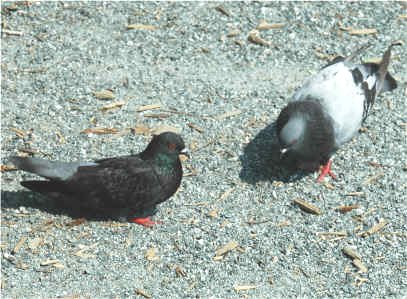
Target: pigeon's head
168	143
291	136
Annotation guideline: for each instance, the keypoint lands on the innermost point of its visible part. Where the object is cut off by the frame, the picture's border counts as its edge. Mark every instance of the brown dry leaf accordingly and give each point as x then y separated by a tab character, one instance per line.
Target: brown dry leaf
141	130
141	27
19	244
104	94
365	31
143	293
375	228
34	243
195	127
307	207
346	209
151	254
100	131
352	253
213	213
233	33
263	25
358	264
239	288
148	107
112	106
76	222
19	133
254	37
4	168
226	248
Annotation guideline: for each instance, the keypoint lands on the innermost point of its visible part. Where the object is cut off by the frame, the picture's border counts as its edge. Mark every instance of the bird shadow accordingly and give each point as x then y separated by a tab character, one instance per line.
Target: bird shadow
28	199
261	160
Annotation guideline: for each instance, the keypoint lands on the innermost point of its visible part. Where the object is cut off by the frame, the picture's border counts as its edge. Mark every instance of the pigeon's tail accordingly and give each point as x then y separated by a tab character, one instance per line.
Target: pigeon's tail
53	170
44	186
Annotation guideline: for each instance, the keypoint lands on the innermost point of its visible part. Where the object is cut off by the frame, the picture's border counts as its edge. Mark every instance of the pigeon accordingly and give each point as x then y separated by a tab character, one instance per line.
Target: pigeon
120	186
328	110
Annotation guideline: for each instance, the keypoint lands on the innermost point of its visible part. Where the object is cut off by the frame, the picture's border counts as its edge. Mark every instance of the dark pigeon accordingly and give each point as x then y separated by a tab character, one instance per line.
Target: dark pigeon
116	187
328	110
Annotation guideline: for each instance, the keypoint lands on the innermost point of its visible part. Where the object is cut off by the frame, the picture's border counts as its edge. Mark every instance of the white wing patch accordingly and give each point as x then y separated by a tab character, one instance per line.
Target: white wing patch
335	89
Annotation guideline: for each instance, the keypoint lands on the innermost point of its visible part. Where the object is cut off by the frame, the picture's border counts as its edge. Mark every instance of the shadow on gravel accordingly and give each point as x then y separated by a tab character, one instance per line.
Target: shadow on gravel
28	199
261	160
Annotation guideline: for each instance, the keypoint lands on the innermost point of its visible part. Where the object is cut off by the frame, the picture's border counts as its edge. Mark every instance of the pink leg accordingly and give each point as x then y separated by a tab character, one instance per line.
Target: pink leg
145	221
326	169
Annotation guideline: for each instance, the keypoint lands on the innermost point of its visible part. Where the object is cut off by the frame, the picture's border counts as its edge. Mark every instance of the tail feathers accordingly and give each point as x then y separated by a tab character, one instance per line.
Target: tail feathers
44	186
384	82
53	170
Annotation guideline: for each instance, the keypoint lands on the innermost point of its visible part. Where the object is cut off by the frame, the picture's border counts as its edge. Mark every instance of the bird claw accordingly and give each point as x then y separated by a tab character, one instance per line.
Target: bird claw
326	170
147	222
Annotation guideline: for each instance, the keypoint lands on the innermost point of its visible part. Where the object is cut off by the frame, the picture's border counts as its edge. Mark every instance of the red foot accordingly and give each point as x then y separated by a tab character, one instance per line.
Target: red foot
326	169
145	221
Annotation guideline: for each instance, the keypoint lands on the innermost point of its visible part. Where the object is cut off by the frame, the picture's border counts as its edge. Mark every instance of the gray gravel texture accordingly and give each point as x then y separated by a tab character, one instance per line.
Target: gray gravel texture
71	49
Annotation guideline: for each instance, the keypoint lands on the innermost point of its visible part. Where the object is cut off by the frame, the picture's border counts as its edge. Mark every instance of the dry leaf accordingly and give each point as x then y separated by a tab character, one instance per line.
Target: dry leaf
213	213
19	245
263	25
140	129
233	33
19	133
104	94
254	37
141	27
358	263
228	114
373	178
239	288
143	293
100	131
346	209
34	243
4	168
76	222
222	10
352	253
81	253
148	107
49	262
362	31
195	127
307	207
375	228
226	248
180	271
151	254
112	106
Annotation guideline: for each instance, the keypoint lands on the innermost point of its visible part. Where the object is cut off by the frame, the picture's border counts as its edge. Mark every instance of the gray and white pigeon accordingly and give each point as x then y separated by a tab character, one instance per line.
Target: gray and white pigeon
328	110
117	187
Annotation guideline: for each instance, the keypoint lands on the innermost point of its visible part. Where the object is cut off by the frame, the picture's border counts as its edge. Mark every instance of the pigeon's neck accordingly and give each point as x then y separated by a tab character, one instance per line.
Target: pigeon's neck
165	163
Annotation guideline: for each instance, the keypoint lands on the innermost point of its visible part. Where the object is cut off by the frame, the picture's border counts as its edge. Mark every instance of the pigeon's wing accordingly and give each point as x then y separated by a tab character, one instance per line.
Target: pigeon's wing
127	182
343	100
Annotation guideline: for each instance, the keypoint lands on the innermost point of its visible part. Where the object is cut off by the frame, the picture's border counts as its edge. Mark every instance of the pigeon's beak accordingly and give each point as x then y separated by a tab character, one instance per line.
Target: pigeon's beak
185	152
283	151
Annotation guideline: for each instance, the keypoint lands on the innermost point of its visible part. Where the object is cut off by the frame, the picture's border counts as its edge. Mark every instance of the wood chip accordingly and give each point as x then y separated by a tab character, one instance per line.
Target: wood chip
352	253
149	107
111	106
373	178
5	168
254	37
263	25
239	288
375	228
233	33
195	127
362	31
12	32
143	293
307	207
19	244
19	133
228	114
141	130
141	27
358	264
220	252
222	10
100	131
106	94
151	254
346	209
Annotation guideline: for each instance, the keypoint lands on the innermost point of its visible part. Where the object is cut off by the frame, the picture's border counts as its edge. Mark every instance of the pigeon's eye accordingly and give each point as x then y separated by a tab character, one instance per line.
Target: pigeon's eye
172	146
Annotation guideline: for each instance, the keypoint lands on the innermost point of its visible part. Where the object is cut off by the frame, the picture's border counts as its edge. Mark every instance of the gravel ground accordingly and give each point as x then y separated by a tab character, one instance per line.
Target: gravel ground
189	63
